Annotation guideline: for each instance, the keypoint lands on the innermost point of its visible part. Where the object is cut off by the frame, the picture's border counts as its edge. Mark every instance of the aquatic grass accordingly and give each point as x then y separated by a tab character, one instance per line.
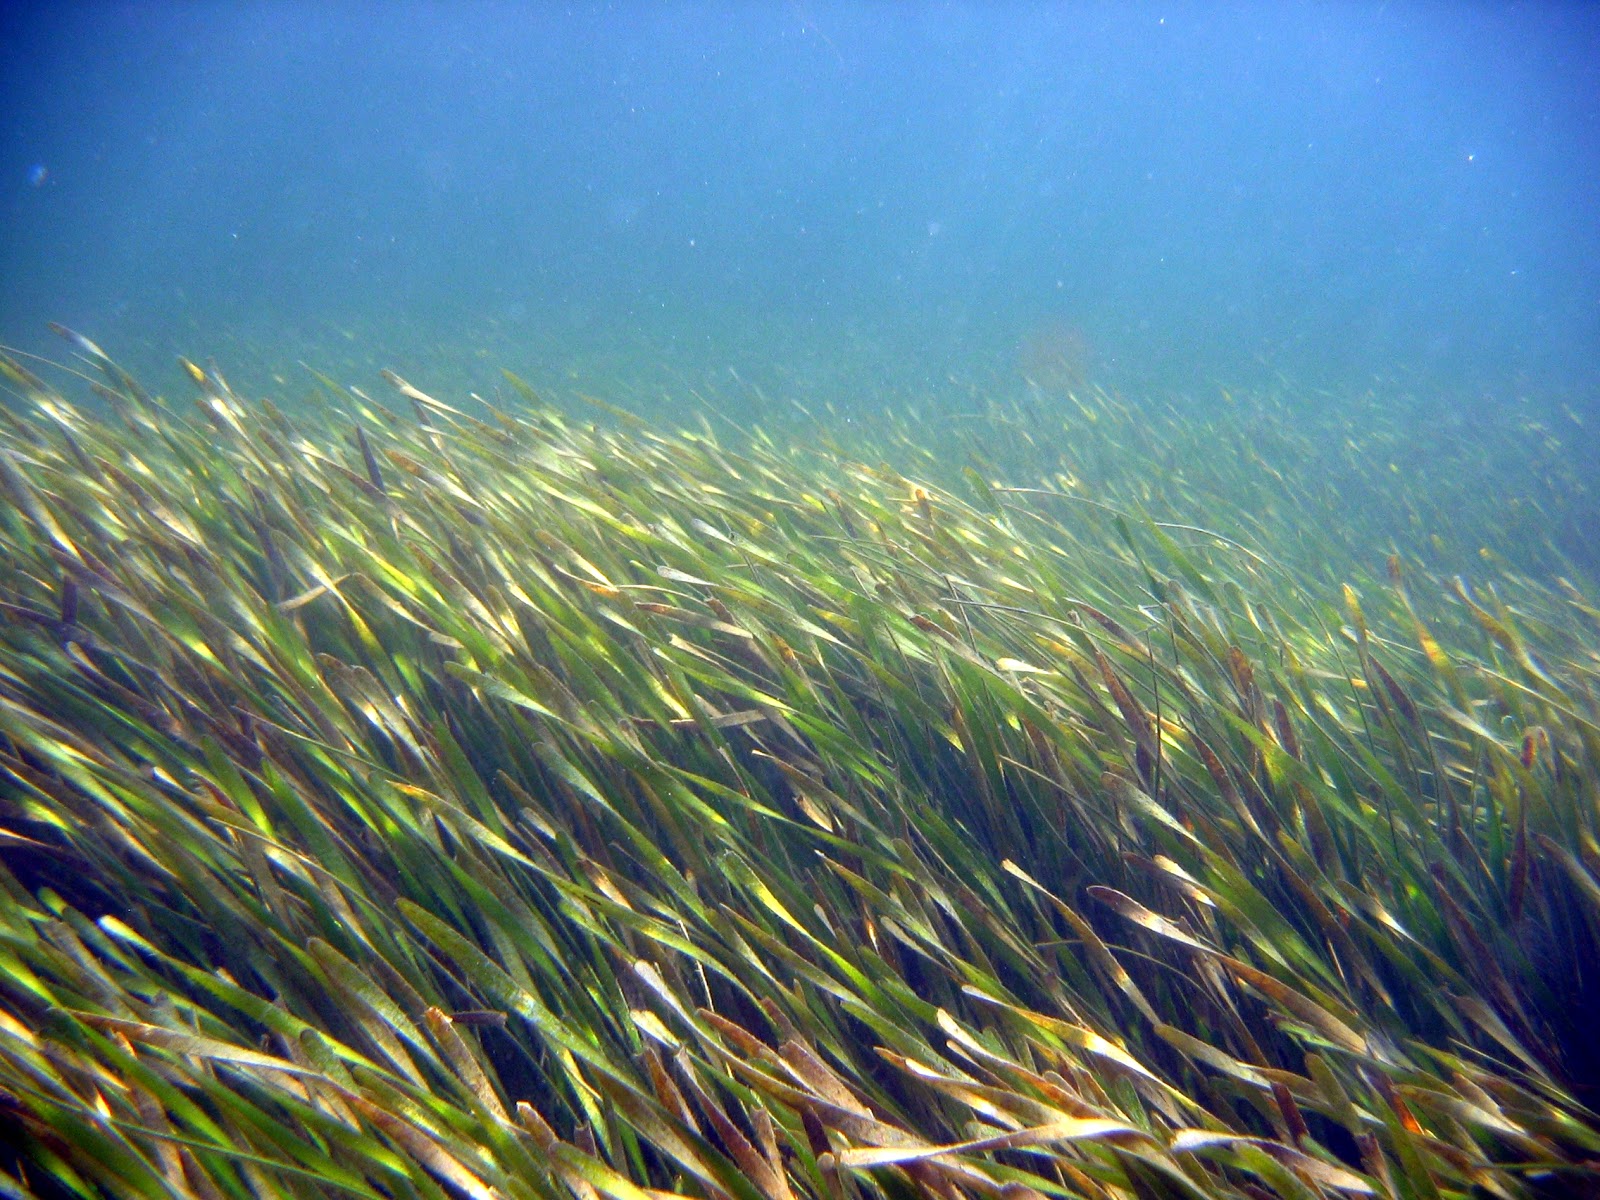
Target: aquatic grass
423	803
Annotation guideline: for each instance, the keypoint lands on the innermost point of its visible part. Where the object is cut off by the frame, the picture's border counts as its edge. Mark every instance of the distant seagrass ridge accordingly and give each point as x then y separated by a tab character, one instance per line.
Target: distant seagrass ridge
1079	795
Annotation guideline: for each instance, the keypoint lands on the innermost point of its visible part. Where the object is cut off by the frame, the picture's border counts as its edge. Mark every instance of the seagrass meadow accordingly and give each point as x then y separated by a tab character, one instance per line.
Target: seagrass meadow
1070	798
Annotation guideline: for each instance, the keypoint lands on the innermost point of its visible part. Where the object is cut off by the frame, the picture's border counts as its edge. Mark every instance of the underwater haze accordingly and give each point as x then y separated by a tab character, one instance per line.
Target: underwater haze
850	201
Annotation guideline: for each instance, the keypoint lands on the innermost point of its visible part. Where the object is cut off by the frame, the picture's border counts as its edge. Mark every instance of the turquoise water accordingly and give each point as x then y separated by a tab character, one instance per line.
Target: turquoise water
847	200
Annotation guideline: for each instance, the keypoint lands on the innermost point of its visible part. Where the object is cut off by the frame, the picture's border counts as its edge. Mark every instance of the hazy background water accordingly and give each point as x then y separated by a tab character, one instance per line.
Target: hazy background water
851	201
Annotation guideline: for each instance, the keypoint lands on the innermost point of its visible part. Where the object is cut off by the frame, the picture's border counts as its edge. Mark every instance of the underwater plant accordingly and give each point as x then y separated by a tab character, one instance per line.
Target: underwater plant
503	803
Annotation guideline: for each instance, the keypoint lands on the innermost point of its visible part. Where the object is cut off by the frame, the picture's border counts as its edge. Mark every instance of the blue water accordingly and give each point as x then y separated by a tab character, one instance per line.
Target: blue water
850	201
